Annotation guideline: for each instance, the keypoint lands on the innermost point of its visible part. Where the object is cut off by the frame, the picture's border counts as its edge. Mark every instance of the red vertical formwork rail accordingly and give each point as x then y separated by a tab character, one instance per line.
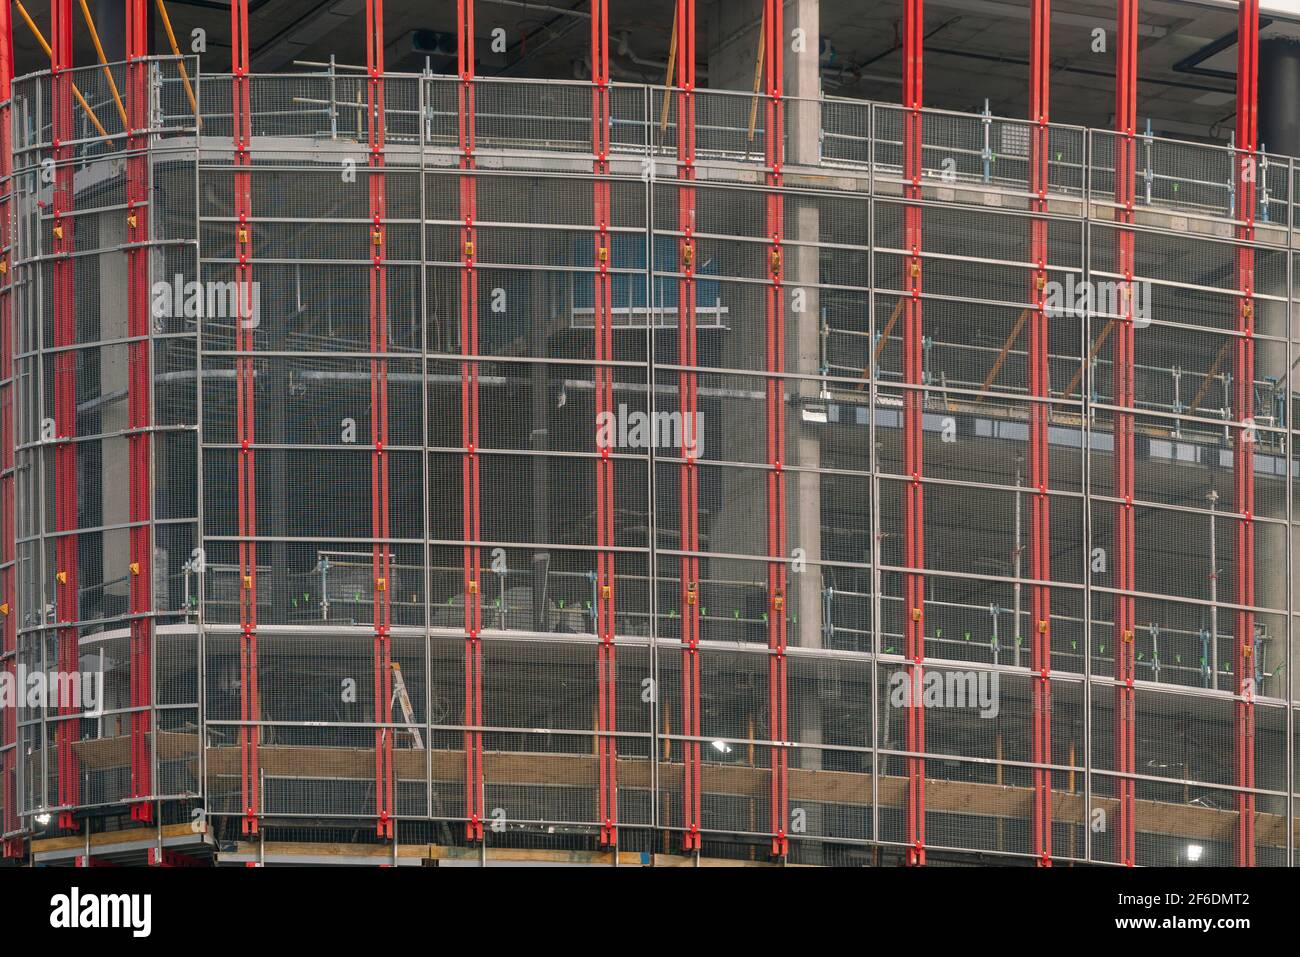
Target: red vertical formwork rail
469	426
913	418
606	714
1040	556
11	845
1243	402
1124	614
381	553
63	305
688	395
139	406
777	636
246	486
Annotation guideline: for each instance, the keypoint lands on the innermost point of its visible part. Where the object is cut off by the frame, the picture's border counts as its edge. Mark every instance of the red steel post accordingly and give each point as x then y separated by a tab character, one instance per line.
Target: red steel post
606	713
1124	612
1040	509
1247	168
472	553
687	389
64	304
381	553
246	486
11	841
140	406
913	414
777	636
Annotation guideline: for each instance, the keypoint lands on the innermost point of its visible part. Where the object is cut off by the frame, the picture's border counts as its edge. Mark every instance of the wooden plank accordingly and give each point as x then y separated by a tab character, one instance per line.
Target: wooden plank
1002	356
105	840
581	770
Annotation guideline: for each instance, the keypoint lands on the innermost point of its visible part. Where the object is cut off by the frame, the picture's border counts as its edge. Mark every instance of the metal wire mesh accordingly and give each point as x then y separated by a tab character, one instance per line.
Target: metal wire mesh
332	322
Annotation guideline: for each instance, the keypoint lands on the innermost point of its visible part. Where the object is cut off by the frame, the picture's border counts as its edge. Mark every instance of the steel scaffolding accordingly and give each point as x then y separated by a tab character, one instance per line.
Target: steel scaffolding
622	450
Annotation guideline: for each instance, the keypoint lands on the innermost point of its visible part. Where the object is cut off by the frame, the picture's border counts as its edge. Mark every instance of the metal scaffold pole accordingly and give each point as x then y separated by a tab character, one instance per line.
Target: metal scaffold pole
140	402
687	386
774	141
1124	614
63	303
1243	447
11	841
606	714
469	427
913	414
250	709
381	559
1040	506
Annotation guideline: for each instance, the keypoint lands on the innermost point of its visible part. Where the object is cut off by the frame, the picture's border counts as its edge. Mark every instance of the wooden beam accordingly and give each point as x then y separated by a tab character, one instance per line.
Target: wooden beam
1002	356
582	770
1209	376
884	337
1092	354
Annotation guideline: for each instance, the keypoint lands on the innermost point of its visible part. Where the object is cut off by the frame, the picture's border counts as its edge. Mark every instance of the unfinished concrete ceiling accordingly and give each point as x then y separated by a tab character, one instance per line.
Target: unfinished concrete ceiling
976	50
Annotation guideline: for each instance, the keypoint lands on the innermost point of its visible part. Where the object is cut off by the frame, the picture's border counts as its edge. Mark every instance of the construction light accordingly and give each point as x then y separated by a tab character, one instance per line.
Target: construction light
722	747
1194	852
42	819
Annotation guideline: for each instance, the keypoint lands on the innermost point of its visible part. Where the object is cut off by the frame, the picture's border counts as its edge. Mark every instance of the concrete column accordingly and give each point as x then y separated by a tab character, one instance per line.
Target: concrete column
1279	132
733	37
115	481
1279	95
733	48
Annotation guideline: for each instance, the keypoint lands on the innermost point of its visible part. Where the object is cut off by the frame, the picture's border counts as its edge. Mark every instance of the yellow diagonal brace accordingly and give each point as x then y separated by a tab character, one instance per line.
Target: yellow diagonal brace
884	338
1209	377
668	79
171	39
103	62
1002	356
1092	354
758	79
40	38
